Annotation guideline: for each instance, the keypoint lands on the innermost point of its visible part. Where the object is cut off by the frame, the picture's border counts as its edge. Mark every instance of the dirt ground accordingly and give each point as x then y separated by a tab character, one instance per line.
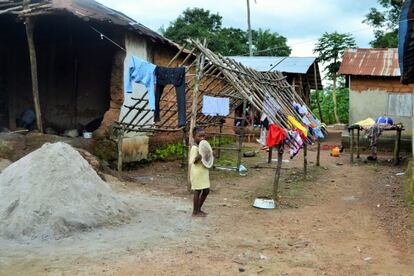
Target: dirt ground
341	220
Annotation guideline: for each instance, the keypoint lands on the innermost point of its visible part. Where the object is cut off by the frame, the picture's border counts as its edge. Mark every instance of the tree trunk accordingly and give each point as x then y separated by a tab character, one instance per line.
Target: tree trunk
334	101
317	93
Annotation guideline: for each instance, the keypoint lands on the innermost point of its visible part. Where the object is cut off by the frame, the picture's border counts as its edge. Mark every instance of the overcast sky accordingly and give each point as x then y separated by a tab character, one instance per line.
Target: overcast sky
301	21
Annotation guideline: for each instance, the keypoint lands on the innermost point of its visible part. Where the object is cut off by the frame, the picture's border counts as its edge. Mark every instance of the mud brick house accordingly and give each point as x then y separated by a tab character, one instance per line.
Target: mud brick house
82	51
373	77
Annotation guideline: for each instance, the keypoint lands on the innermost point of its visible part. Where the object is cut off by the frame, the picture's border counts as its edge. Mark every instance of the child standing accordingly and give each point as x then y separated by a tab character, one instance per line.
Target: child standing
199	174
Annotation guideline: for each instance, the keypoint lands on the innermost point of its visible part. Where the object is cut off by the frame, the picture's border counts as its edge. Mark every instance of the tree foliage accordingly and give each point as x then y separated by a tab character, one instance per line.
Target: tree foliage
267	43
330	48
385	23
230	42
194	23
327	105
201	24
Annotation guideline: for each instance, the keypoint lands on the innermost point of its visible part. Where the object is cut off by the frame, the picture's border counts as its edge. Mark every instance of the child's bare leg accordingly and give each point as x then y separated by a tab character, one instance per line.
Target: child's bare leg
203	197
196	204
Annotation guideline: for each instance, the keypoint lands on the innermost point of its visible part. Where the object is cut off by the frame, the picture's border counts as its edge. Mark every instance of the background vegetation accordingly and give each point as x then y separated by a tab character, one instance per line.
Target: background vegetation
327	104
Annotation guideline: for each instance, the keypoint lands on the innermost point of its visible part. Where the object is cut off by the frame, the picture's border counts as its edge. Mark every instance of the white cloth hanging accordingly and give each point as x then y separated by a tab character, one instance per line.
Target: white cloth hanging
215	106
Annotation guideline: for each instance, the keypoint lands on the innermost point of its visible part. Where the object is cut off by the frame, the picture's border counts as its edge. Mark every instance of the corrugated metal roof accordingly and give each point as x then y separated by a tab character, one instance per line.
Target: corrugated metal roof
91	10
298	65
370	62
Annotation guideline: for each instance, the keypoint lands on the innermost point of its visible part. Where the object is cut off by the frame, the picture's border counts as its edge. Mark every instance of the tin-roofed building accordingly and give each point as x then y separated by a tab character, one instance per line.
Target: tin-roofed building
373	77
301	72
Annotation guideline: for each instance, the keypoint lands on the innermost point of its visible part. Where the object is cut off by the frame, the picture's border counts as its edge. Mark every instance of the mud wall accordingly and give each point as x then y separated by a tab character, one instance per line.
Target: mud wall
74	69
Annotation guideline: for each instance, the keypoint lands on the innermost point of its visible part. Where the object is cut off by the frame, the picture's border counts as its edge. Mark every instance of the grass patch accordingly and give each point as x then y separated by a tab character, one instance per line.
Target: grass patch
409	184
168	152
174	151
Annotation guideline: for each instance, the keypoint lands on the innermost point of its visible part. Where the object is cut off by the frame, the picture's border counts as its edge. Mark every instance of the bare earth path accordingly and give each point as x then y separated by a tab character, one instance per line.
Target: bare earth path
342	221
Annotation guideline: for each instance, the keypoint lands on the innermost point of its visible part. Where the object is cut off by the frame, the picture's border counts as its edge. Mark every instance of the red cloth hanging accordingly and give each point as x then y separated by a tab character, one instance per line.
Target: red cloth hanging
275	135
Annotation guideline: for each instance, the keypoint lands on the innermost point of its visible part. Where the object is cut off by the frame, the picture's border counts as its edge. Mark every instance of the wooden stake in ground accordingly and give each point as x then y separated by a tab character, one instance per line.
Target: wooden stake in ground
305	160
397	147
351	145
241	136
318	154
277	173
33	66
119	148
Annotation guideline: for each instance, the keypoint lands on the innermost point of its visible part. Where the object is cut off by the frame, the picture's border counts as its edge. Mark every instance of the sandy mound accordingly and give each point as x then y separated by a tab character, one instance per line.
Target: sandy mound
53	193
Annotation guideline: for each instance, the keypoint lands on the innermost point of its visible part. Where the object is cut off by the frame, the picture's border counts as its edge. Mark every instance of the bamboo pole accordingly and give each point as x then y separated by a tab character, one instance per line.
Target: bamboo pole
119	147
241	137
397	147
270	155
199	72
134	107
305	160
219	142
29	25
184	149
318	154
357	142
351	134
276	180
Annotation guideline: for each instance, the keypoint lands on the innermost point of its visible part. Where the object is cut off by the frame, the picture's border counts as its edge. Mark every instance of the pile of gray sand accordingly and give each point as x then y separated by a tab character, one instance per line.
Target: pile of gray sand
54	193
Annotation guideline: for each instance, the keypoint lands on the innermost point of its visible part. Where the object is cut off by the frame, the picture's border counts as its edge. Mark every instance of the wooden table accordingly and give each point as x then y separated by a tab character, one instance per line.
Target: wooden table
396	156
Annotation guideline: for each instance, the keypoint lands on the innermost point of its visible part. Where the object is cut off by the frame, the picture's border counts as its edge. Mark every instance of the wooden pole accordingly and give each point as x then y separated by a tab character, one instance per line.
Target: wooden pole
199	72
397	148
351	134
249	29
305	160
318	154
33	66
241	137
277	173
119	147
270	155
219	142
357	143
184	155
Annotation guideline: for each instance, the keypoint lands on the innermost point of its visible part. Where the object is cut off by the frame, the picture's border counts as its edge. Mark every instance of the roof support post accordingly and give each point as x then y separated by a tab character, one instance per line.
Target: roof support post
29	24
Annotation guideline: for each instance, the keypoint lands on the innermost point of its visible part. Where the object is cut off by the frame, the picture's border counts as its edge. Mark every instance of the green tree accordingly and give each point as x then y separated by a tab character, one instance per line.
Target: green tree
194	23
230	42
201	24
266	43
330	48
326	103
385	23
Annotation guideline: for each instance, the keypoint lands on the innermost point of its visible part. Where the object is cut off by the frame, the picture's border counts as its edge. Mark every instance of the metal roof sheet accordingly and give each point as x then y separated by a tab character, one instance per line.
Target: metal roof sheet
370	62
298	65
